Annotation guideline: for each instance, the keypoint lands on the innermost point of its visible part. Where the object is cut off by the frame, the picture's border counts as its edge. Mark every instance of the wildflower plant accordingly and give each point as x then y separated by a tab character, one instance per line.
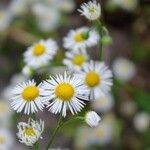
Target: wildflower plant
86	81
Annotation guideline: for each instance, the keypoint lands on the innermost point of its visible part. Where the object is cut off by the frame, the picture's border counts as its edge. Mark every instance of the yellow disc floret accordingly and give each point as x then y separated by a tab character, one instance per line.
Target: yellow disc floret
39	49
29	131
78	37
92	79
64	91
78	59
92	10
30	93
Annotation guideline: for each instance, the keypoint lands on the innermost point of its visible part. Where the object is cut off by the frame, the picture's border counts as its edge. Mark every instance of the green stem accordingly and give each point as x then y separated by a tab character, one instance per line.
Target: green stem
100	30
59	126
55	132
72	119
36	146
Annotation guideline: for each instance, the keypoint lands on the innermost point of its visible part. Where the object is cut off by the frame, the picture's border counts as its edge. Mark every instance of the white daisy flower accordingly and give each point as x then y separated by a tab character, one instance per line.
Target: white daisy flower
141	121
97	77
75	59
103	103
90	10
123	69
27	97
92	118
30	132
65	91
81	38
6	139
39	54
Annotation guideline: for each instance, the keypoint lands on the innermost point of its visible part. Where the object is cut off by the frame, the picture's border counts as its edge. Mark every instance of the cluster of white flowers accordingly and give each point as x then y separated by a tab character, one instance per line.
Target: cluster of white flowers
87	79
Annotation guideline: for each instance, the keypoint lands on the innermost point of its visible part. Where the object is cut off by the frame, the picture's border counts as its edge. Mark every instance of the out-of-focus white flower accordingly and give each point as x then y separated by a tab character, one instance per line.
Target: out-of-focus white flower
6	139
91	10
128	108
5	114
39	54
123	69
128	5
83	137
97	77
30	132
92	119
141	121
27	71
46	21
65	5
26	97
75	59
65	91
103	134
81	38
103	103
18	7
5	19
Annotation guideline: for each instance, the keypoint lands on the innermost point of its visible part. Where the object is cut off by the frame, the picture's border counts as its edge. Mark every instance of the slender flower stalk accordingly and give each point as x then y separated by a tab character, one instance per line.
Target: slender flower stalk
60	123
99	27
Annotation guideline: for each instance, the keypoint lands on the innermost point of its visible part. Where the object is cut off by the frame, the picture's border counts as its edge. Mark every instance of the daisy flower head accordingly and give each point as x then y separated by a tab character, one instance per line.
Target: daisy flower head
75	59
90	10
30	132
63	92
27	97
97	77
39	54
81	38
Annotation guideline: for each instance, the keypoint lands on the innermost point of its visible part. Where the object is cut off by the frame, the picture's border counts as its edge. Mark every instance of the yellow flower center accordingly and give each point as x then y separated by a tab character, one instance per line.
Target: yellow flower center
78	37
30	93
78	59
64	91
2	140
92	79
39	49
29	131
92	10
